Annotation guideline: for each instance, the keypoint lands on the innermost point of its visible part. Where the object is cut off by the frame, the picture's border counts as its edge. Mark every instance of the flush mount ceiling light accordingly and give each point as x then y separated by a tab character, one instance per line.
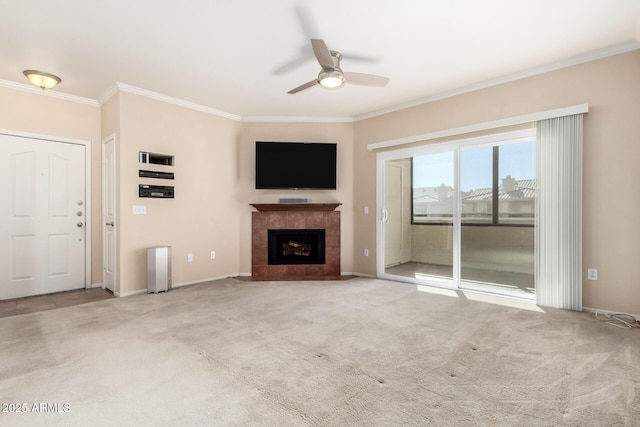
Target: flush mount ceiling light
42	80
331	79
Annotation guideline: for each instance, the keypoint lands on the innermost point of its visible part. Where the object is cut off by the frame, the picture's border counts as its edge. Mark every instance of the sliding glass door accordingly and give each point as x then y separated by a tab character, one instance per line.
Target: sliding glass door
419	204
497	194
460	214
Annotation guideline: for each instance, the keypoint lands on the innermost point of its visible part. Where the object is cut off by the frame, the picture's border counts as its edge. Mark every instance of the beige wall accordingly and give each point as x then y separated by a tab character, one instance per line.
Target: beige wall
214	171
214	186
499	248
38	113
340	133
611	87
203	216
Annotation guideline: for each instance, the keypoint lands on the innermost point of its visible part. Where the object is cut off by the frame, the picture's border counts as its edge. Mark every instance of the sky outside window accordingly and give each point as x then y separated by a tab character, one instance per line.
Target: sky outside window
516	160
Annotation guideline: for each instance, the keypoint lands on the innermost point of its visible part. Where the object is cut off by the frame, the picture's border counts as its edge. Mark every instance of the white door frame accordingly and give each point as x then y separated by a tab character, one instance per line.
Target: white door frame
394	213
403	153
87	189
103	226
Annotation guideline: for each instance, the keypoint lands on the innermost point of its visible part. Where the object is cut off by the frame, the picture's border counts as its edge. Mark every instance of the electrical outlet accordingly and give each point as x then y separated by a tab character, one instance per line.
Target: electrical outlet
189	257
213	254
366	209
366	252
592	274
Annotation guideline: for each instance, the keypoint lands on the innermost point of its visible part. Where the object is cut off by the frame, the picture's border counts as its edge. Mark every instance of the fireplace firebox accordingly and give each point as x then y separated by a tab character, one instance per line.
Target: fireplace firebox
289	247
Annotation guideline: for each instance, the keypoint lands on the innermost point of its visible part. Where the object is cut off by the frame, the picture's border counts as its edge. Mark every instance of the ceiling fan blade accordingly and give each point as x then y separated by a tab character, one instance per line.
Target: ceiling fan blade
361	58
307	21
302	87
323	55
365	79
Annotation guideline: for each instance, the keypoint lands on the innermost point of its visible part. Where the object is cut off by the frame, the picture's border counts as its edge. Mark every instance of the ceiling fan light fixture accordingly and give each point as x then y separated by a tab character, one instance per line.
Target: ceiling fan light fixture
42	80
331	79
331	76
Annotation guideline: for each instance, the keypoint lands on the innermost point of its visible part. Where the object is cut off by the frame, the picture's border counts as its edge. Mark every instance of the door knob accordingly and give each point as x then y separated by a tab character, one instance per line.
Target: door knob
109	223
80	224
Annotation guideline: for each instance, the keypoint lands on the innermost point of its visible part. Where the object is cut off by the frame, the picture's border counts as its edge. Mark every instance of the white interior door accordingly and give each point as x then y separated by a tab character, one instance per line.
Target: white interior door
42	218
109	213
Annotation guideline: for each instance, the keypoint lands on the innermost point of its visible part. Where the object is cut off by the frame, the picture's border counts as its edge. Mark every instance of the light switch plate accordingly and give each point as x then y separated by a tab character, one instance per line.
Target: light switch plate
139	210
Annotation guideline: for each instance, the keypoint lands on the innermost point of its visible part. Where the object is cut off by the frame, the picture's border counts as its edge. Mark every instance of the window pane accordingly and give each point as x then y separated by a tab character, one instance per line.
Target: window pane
433	194
476	175
517	183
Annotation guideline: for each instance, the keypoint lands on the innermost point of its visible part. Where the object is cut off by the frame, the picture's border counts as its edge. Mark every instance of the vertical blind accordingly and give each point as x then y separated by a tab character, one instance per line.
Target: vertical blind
559	212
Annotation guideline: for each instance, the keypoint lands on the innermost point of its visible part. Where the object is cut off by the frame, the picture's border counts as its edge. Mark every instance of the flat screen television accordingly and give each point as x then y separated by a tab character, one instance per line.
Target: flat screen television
295	165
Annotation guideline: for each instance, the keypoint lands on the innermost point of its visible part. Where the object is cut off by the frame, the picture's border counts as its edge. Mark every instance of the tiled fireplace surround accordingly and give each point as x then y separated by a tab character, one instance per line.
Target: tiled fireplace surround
295	217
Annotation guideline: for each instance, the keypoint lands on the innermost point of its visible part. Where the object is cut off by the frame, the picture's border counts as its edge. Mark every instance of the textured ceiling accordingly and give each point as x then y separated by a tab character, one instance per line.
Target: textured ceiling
241	57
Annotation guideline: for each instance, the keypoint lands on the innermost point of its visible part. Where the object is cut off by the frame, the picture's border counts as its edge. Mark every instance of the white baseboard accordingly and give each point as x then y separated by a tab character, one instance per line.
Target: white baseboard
344	273
95	285
174	285
370	276
210	279
128	294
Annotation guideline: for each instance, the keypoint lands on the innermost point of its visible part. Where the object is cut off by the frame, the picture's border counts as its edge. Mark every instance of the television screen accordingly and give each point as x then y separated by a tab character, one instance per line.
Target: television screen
295	165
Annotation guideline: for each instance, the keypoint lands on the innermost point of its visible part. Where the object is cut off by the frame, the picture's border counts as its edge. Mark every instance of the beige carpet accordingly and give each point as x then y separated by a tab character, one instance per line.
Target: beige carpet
335	353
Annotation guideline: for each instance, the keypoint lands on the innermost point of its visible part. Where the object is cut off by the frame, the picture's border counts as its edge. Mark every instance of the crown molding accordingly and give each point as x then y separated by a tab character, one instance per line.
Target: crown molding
295	119
118	86
106	96
576	60
171	100
494	124
113	89
49	92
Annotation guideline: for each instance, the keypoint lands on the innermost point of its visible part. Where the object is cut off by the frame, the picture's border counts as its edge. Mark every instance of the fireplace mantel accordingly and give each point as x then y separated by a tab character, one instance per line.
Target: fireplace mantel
270	207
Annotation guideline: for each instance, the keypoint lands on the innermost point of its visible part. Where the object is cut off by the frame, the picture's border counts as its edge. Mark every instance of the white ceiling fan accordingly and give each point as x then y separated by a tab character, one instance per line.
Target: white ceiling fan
331	76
